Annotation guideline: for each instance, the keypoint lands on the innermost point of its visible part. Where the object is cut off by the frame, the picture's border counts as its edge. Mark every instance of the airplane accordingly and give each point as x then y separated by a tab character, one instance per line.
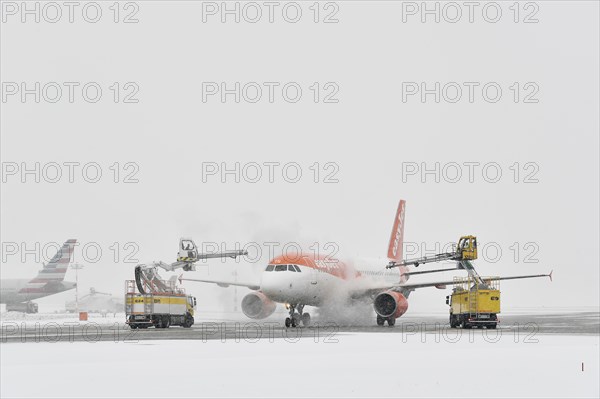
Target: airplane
18	294
96	302
321	281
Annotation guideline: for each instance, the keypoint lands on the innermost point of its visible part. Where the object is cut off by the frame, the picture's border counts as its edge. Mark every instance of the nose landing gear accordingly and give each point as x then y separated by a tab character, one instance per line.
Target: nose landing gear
297	317
381	320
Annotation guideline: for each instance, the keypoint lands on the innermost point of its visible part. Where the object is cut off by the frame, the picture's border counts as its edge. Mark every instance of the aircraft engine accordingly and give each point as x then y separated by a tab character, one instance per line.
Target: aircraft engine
256	305
390	304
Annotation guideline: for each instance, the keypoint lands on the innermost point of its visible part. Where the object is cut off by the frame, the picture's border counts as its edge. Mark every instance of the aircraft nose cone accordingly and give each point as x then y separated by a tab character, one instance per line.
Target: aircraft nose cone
280	286
268	287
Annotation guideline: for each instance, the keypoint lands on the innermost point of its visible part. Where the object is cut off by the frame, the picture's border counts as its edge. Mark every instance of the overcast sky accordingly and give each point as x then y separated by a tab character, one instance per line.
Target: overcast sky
369	131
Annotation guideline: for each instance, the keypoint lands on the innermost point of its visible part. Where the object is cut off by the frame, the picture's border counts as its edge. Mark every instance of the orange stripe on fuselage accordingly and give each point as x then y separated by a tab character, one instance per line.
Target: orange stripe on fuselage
325	264
329	265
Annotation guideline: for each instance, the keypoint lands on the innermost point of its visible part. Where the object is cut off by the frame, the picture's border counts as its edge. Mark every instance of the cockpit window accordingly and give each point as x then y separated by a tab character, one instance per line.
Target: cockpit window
291	268
270	268
280	268
297	268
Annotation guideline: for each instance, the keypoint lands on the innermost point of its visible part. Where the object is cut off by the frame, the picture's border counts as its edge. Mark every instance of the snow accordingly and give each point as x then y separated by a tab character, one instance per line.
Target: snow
30	320
348	364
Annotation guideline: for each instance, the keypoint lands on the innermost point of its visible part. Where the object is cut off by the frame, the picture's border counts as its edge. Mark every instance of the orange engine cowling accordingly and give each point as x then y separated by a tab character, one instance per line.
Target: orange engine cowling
390	304
256	305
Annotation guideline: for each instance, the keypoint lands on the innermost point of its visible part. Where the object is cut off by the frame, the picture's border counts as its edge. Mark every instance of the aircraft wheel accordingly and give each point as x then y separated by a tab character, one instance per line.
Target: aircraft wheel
288	322
296	319
305	319
391	321
380	320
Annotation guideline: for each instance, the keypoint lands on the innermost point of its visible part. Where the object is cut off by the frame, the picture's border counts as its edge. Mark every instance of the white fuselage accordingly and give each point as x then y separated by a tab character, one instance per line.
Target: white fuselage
317	287
10	290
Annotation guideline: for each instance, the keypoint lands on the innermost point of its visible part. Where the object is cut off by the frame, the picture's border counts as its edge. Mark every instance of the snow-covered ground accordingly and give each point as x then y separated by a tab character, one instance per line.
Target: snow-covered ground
111	318
60	318
346	365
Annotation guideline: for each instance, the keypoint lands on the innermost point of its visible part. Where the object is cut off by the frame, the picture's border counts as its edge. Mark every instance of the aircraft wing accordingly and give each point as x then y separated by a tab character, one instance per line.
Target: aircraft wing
438	284
222	283
444	283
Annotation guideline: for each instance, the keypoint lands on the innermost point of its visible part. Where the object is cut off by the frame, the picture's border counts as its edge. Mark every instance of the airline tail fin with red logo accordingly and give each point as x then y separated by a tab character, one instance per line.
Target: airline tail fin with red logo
397	237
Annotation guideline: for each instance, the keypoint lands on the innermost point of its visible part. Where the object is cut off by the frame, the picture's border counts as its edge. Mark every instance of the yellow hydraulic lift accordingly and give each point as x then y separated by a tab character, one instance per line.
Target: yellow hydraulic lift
475	301
466	249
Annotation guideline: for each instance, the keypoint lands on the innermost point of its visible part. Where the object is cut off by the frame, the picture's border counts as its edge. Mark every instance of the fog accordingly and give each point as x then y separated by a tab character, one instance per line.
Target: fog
546	217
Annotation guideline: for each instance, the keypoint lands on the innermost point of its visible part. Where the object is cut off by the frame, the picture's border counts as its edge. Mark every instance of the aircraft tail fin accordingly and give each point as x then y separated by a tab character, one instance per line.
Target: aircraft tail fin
397	237
54	271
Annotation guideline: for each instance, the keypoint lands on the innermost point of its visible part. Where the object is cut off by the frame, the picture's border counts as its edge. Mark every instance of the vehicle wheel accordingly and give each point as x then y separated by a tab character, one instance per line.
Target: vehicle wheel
380	320
391	321
493	326
166	322
288	322
133	326
306	319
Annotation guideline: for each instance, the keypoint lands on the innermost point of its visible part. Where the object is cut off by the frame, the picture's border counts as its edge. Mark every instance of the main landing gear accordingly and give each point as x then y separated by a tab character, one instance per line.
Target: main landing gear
297	317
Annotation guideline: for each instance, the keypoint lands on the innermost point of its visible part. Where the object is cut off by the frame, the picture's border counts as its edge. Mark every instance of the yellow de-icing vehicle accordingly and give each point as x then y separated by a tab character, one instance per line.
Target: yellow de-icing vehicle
161	303
474	302
150	301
